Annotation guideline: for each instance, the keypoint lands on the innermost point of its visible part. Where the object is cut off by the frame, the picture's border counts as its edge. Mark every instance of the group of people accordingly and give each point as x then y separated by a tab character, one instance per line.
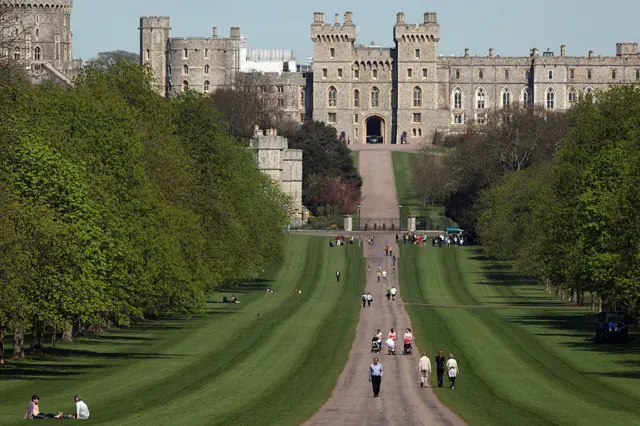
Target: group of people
448	240
341	240
450	366
367	298
33	411
388	251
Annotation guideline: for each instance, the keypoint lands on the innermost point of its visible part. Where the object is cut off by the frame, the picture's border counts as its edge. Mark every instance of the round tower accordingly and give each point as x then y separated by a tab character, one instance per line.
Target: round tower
42	32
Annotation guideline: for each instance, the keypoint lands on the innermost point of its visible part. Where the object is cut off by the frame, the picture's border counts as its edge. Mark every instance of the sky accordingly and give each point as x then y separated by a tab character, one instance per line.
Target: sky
512	27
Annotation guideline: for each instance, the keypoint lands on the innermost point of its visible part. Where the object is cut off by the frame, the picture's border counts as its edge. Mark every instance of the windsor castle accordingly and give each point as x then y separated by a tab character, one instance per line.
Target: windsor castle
403	93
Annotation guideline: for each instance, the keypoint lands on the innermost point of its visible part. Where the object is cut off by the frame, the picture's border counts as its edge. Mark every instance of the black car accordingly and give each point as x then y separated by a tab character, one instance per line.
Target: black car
374	139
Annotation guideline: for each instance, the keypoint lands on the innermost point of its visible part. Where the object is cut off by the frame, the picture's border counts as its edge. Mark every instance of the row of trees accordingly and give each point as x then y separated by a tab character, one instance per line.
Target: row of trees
116	204
572	220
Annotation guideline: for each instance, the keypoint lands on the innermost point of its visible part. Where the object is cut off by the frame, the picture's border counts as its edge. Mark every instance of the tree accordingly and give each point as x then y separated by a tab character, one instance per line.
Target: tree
430	177
106	60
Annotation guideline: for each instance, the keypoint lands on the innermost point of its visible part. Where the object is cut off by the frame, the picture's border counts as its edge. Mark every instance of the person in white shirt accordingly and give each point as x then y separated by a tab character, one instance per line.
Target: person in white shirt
369	299
424	366
82	410
452	370
393	292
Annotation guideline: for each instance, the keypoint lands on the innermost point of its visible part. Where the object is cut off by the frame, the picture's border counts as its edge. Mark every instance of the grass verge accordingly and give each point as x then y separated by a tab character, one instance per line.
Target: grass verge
524	359
272	359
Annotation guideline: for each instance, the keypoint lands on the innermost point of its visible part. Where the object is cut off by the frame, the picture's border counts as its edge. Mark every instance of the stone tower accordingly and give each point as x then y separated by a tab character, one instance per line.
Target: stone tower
416	74
41	34
155	32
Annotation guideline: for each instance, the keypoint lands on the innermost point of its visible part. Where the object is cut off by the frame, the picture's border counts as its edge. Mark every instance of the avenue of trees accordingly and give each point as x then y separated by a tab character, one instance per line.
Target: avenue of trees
118	205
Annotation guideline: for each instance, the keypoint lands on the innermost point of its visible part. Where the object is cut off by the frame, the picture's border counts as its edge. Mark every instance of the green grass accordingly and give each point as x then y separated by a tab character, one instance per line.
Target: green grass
524	359
409	199
356	158
272	359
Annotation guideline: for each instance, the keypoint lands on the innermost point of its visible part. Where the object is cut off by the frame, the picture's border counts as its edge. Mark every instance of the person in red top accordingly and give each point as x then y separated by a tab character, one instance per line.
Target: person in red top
392	335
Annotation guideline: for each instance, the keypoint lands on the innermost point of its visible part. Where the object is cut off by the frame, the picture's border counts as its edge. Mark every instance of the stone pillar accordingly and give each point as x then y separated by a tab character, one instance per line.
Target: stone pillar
348	223
411	223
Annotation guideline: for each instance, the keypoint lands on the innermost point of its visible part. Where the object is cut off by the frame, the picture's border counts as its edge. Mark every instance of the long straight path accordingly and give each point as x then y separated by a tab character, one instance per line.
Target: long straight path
402	401
379	204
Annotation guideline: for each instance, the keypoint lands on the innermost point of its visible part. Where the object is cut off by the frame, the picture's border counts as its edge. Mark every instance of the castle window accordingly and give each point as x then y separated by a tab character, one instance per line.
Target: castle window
206	69
185	53
481	119
551	98
356	74
425	73
409	73
16	53
356	98
37	19
332	118
333	96
37	53
457	98
302	99
339	72
417	53
37	32
588	74
457	74
206	86
375	97
417	97
526	98
332	52
637	75
355	118
506	74
415	132
481	74
588	91
613	75
206	53
419	132
458	119
147	54
506	98
480	98
324	73
169	70
573	96
280	103
417	117
280	89
572	73
185	69
375	74
550	75
185	85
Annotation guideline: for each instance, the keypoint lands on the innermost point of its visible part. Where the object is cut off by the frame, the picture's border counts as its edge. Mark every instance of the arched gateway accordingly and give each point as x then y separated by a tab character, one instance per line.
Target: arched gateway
375	127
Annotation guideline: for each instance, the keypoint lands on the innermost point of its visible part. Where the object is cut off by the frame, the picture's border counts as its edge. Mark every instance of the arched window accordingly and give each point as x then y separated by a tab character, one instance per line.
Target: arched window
506	97
185	85
457	98
637	75
417	97
506	74
302	99
613	74
333	96
526	97
37	53
375	97
185	53
480	97
37	32
457	73
573	96
185	69
147	54
375	73
206	69
589	74
206	86
356	74
169	87
550	75
356	98
551	98
169	70
480	74
16	53
588	91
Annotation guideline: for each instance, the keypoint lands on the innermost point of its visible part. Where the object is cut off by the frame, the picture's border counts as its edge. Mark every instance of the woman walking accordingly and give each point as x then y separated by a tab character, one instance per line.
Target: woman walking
375	376
452	370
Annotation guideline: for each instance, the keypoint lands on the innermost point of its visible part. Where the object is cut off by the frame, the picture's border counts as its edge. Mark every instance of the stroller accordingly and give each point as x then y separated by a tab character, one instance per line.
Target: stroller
391	345
376	345
407	348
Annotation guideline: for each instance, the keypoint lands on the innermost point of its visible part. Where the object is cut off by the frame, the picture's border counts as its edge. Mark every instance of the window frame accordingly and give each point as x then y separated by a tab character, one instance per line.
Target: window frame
375	97
333	97
550	98
417	97
417	117
356	98
481	98
457	98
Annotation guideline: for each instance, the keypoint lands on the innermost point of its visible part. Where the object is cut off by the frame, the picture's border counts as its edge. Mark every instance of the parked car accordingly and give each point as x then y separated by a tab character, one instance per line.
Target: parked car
374	139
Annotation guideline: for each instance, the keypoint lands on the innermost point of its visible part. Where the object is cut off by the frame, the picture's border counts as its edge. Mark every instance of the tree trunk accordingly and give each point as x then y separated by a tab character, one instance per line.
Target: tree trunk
67	334
1	344
37	337
593	301
53	337
18	342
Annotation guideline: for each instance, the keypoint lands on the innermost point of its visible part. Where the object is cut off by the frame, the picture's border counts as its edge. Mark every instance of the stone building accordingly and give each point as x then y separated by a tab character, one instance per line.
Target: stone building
38	33
205	64
283	165
408	92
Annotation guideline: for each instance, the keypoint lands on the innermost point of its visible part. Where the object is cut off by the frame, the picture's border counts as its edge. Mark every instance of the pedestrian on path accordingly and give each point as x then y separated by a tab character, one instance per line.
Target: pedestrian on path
393	292
390	251
369	299
364	300
440	366
338	276
424	366
394	261
388	293
379	275
392	335
384	275
452	371
375	376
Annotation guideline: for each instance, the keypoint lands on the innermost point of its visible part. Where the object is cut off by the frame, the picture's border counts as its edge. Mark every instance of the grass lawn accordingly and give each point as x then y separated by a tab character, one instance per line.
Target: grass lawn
409	199
272	359
356	158
523	355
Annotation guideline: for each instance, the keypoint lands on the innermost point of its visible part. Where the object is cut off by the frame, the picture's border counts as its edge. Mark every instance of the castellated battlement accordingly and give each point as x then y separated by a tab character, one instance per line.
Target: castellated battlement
151	22
427	31
336	32
55	4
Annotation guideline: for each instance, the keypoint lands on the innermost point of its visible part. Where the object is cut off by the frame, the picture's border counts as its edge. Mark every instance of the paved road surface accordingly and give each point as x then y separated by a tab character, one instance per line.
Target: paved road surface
379	198
402	401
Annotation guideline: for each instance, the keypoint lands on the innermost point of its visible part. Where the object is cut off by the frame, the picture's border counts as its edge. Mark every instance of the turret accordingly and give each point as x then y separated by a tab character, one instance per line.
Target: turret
155	32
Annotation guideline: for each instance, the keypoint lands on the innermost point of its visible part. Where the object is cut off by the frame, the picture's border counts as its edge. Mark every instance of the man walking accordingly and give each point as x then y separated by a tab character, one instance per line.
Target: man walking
364	300
440	363
369	299
394	261
393	292
375	376
384	275
425	370
338	276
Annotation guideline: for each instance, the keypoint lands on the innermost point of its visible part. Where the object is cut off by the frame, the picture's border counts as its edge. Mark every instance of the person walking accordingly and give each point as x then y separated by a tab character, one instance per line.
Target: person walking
337	276
393	292
384	275
364	300
424	366
452	370
375	376
388	293
440	366
394	260
369	299
378	275
392	335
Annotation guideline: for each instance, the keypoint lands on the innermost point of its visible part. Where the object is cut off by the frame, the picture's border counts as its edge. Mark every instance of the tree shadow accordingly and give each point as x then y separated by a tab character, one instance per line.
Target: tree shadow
45	371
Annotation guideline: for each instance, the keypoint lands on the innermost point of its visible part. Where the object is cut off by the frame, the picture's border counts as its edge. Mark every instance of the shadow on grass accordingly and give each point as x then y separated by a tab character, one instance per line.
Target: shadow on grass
27	371
258	284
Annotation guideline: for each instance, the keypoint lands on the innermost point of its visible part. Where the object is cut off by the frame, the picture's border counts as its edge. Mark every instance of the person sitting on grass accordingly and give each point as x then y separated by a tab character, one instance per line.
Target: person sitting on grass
33	411
82	410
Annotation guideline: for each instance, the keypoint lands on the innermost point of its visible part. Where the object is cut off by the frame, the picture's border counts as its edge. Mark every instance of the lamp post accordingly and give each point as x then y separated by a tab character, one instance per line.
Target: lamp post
359	206
400	208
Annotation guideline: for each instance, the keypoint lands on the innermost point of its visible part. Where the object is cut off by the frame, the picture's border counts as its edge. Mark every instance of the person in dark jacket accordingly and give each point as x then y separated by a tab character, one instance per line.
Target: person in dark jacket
440	367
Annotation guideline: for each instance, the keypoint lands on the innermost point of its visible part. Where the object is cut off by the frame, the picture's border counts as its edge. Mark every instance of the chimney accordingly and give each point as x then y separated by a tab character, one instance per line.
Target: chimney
400	18
337	19
466	52
563	50
534	51
491	52
215	32
318	18
235	32
348	18
590	54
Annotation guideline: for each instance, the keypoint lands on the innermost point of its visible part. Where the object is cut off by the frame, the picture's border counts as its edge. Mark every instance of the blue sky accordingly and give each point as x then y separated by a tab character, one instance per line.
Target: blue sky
510	27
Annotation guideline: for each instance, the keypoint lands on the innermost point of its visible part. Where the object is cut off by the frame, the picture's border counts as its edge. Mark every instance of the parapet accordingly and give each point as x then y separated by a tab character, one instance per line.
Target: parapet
268	140
63	4
626	49
154	22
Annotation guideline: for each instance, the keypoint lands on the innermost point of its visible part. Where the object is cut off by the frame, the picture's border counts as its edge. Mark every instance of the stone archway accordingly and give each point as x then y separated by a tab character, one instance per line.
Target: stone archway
375	129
